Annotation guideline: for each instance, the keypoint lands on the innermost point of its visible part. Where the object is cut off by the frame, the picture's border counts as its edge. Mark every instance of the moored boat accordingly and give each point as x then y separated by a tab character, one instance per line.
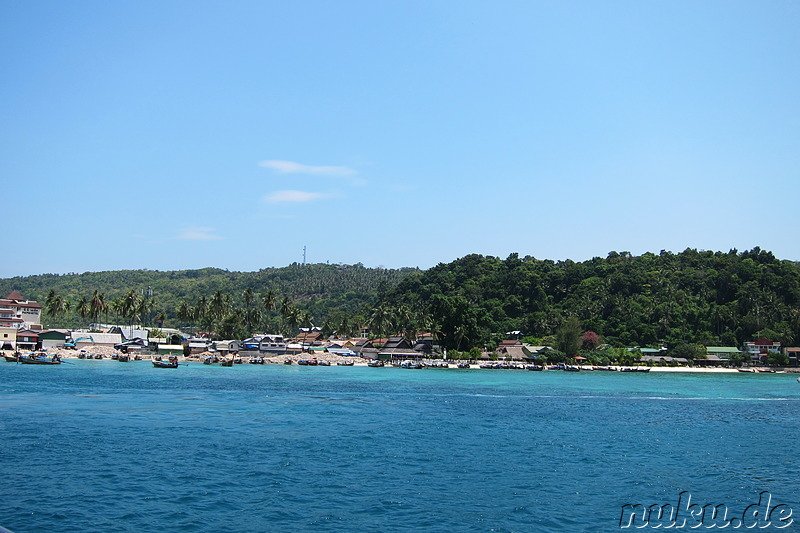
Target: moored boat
38	359
164	364
173	363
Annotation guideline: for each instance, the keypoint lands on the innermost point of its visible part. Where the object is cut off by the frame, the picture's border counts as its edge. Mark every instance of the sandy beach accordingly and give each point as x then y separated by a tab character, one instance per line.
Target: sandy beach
334	359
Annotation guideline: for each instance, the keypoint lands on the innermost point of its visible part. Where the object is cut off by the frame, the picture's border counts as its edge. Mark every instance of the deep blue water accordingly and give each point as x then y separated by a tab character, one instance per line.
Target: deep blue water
106	446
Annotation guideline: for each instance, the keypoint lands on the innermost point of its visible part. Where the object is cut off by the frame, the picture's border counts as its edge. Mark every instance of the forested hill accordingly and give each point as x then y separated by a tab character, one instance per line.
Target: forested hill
705	297
712	298
319	289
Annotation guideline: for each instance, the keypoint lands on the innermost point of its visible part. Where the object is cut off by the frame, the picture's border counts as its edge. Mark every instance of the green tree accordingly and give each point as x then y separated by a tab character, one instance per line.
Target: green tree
269	300
83	307
568	336
737	359
97	306
380	321
55	305
217	307
129	307
777	359
185	312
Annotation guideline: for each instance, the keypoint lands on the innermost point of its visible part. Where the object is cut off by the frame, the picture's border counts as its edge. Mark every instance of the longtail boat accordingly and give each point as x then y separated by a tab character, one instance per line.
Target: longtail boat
34	359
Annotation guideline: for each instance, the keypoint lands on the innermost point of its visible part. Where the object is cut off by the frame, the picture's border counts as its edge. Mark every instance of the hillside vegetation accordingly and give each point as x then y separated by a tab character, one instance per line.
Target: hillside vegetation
321	290
704	297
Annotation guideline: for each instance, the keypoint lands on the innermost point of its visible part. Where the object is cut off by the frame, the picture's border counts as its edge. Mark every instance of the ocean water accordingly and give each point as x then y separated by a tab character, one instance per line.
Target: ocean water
102	446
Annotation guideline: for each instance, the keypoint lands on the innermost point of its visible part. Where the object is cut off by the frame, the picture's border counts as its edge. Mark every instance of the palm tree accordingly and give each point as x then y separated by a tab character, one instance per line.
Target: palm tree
48	302
381	319
82	307
306	319
404	321
200	310
251	318
55	305
145	306
286	306
130	307
269	299
345	327
217	307
293	317
97	306
248	297
184	312
428	322
117	306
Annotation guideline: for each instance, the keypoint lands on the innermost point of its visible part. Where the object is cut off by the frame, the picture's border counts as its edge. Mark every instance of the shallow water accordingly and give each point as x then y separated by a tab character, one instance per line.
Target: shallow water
106	446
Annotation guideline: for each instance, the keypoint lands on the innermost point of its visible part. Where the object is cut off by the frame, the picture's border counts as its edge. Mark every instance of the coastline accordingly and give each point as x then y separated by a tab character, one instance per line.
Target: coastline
334	359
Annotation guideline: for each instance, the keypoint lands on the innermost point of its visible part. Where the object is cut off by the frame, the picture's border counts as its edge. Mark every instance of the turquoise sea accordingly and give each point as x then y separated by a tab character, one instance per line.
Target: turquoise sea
102	446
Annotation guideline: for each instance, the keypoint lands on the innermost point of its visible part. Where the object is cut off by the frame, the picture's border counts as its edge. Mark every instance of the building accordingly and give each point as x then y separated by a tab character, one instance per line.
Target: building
793	354
225	347
760	348
27	339
21	313
722	353
130	333
364	348
397	348
8	338
53	338
9	319
198	345
84	340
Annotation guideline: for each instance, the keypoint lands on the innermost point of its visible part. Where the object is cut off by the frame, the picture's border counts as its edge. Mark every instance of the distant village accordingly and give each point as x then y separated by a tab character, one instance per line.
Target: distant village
21	330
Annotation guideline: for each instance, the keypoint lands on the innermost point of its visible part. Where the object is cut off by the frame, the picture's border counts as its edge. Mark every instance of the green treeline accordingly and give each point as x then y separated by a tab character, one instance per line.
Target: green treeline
186	298
703	297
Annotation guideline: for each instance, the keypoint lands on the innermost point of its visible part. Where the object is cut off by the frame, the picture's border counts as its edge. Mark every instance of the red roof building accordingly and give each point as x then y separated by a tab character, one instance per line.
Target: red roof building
15	310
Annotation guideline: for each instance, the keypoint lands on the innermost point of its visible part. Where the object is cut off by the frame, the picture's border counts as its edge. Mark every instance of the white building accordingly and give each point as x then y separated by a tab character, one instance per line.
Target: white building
18	312
760	347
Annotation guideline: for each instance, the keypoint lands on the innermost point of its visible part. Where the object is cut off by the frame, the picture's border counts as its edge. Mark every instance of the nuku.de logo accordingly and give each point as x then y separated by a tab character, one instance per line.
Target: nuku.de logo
692	516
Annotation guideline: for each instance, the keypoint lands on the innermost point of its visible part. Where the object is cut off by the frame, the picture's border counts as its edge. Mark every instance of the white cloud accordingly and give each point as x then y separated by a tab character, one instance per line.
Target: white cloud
198	234
279	197
290	167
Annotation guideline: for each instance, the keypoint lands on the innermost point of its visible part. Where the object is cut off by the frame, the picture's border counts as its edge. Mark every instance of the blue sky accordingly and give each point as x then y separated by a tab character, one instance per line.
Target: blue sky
172	135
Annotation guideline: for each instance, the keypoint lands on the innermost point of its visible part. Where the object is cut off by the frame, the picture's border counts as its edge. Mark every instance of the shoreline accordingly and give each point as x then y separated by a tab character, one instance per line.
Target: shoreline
334	359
